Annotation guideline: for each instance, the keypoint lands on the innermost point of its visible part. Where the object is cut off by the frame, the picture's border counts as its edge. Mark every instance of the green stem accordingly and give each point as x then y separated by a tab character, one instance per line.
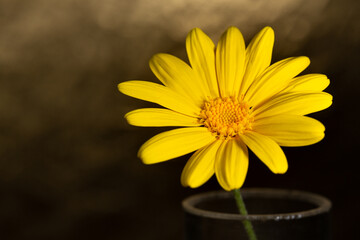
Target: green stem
242	209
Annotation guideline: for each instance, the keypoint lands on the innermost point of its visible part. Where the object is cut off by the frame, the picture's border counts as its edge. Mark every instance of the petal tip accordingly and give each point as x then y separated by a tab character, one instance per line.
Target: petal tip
143	154
268	30
122	87
196	31
140	155
145	160
155	57
280	169
158	57
304	60
129	118
232	29
183	181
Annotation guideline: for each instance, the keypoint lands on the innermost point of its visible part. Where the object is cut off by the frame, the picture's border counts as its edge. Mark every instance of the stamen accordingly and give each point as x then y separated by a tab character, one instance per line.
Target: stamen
226	117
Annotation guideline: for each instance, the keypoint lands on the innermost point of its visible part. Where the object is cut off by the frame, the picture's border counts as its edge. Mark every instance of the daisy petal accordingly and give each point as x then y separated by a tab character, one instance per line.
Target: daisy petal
309	83
201	52
159	94
258	56
296	103
291	130
267	150
231	164
178	76
230	60
200	166
174	143
274	79
159	117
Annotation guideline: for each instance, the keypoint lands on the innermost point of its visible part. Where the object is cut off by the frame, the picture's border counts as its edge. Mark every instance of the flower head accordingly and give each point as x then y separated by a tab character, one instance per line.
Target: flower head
228	100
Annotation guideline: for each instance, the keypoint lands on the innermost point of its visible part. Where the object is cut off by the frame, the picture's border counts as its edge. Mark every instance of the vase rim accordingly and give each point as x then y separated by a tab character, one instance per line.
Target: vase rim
322	204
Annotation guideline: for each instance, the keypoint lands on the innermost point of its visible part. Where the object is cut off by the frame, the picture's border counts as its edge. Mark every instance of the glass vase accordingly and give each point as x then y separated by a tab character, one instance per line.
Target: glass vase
274	213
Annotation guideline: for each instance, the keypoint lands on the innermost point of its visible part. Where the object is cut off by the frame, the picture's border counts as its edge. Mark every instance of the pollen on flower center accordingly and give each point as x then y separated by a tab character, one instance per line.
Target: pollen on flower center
226	117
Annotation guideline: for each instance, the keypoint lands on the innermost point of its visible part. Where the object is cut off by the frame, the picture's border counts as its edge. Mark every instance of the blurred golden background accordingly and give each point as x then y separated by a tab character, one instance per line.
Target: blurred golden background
68	166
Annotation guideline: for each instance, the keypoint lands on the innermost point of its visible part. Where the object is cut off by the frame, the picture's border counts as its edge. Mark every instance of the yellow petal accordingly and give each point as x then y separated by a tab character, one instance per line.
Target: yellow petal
308	83
174	143
258	56
297	103
200	166
178	76
231	164
291	130
161	95
267	150
274	79
158	117
230	60
201	52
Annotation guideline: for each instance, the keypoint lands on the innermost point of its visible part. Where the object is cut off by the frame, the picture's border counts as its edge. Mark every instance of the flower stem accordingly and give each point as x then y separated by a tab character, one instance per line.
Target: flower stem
242	209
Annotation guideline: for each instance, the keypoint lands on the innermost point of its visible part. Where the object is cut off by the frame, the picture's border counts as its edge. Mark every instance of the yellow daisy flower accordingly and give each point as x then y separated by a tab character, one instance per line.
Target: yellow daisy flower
228	100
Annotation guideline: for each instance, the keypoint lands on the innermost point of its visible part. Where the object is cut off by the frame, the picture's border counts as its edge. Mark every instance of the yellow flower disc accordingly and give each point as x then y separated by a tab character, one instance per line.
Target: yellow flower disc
226	117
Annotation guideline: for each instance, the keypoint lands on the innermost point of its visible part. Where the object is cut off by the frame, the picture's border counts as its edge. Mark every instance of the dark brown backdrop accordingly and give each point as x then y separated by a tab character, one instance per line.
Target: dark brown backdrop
68	166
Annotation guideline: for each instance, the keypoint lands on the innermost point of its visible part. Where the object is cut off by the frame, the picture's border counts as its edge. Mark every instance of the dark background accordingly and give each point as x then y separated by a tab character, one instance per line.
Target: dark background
68	166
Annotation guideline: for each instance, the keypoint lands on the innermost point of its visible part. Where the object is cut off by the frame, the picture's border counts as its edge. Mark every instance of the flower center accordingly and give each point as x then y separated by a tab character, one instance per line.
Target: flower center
226	117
